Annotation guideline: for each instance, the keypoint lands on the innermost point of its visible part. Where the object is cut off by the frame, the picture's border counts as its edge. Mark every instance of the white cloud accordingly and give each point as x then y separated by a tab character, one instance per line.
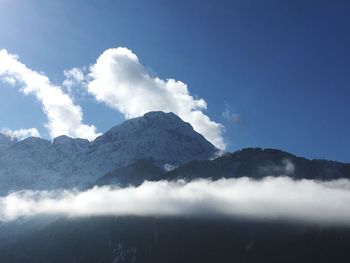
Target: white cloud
228	115
269	199
20	134
120	81
64	117
286	168
74	76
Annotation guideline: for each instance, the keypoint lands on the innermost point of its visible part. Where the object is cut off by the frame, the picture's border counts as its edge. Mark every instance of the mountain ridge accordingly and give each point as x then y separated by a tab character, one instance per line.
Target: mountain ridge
255	163
73	162
144	148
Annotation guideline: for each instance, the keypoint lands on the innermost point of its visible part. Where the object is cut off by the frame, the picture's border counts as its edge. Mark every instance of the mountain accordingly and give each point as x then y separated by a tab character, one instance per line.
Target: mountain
163	137
5	142
258	163
249	162
133	174
66	162
155	146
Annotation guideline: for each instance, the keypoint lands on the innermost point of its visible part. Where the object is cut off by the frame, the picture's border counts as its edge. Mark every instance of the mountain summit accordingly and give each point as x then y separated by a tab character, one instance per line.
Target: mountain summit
66	162
158	135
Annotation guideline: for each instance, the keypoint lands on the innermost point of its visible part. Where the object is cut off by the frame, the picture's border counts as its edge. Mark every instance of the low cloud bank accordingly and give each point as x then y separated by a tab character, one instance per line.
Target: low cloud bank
270	198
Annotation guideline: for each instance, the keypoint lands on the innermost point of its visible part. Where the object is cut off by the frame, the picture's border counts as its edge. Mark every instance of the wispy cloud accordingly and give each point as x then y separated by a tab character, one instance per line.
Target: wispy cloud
20	134
286	168
119	80
229	115
269	199
73	77
64	116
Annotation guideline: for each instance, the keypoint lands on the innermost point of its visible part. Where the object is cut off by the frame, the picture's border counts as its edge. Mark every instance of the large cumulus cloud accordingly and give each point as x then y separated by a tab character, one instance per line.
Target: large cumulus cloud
64	116
119	80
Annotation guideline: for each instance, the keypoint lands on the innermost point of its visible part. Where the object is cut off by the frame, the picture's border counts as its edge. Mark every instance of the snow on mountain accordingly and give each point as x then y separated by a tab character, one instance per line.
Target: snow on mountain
163	137
66	162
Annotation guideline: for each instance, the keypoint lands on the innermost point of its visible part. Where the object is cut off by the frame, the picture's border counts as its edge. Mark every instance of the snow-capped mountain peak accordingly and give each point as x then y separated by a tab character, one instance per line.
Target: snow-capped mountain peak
66	162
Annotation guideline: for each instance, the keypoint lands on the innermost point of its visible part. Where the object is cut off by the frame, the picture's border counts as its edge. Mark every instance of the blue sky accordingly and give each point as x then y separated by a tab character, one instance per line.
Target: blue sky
280	68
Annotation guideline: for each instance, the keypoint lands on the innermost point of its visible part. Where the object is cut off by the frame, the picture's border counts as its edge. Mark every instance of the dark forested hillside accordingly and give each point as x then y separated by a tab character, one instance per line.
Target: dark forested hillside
134	240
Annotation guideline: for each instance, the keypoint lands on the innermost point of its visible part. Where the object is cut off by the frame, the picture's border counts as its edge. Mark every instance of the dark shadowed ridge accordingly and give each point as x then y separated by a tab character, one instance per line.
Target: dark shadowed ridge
133	174
258	163
255	163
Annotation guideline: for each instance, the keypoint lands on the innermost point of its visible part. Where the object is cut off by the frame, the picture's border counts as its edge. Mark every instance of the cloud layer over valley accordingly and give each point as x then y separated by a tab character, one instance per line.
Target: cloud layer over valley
271	198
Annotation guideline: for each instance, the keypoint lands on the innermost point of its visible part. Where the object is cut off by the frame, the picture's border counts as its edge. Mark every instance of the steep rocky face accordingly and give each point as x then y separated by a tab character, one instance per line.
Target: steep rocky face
66	162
